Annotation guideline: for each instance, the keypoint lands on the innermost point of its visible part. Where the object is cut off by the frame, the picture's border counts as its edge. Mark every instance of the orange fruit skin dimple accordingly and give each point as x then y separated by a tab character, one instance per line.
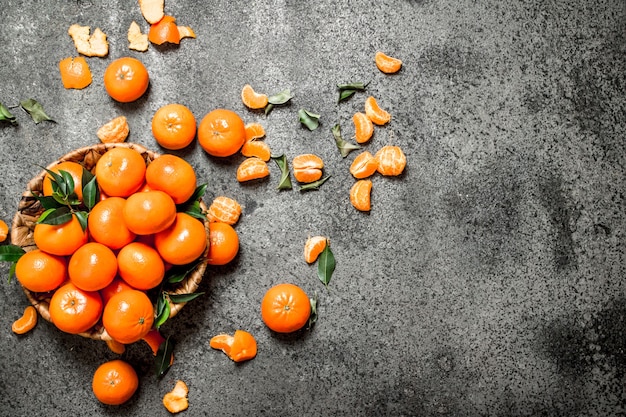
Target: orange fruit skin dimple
172	175
307	168
114	382
128	316
92	267
39	271
183	242
174	126
363	127
376	114
149	212
224	209
252	168
360	195
221	133
313	247
252	99
386	63
75	73
120	172
391	160
126	79
285	308
63	239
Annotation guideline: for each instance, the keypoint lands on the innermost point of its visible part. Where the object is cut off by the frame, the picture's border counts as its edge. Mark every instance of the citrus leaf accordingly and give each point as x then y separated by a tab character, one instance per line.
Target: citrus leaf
163	311
326	264
268	108
192	205
163	358
91	192
6	115
56	216
178	273
82	218
280	98
183	298
343	145
309	119
11	253
314	185
345	94
47	202
285	179
347	90
36	111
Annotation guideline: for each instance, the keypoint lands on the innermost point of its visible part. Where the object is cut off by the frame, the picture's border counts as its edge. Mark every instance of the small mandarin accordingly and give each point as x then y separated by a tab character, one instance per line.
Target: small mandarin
140	266
221	133
117	285
363	127
73	310
39	271
285	308
4	230
120	171
172	175
252	168
174	126
92	267
391	160
114	382
128	316
223	243
183	242
63	239
149	212
106	223
256	148
74	169
126	79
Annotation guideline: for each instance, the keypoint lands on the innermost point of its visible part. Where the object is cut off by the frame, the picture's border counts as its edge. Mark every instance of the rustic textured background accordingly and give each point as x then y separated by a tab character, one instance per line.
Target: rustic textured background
488	280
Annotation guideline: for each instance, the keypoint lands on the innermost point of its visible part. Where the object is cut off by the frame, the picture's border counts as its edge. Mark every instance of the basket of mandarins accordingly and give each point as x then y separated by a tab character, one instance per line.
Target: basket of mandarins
115	240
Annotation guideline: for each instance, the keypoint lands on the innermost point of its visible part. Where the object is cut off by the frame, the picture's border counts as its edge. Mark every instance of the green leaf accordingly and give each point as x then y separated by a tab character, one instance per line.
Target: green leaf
178	273
280	98
309	119
11	253
326	264
268	108
183	298
343	145
313	315
163	311
82	218
36	111
314	185
192	205
163	358
91	192
347	90
6	115
56	216
47	202
285	179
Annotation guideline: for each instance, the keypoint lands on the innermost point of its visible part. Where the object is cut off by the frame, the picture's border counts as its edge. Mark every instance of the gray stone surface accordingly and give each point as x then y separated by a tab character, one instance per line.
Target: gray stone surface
488	280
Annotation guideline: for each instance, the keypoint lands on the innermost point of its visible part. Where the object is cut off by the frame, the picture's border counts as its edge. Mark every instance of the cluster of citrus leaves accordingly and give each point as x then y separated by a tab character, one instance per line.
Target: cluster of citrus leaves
30	106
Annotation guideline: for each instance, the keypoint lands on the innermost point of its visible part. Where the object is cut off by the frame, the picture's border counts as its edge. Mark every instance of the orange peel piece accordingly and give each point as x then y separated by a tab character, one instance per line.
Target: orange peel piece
89	45
137	41
115	346
75	73
115	131
152	10
4	230
164	31
186	32
239	347
176	400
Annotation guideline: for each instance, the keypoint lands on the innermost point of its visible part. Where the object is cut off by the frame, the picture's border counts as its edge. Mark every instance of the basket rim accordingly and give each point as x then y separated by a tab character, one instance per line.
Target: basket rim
23	225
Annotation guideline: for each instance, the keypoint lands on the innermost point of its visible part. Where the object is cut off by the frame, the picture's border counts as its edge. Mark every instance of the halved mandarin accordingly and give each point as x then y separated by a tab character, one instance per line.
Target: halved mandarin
375	113
251	99
252	168
360	195
363	127
307	167
391	160
364	165
224	209
386	63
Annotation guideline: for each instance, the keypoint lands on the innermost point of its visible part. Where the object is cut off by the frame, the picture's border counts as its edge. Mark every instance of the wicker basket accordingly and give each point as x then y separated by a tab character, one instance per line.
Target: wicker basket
30	209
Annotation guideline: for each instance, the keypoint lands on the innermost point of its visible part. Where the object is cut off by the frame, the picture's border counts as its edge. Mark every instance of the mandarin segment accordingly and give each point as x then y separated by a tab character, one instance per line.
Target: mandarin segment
254	130
360	195
386	63
313	247
75	73
256	148
364	165
363	127
176	400
224	209
253	100
375	113
27	322
252	168
391	160
240	347
114	131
